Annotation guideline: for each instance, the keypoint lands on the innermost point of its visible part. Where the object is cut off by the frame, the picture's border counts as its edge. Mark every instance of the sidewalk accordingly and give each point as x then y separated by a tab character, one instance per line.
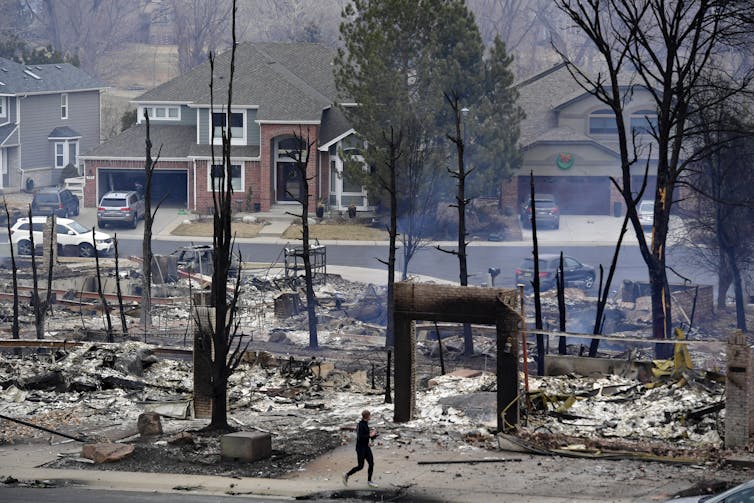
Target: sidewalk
496	477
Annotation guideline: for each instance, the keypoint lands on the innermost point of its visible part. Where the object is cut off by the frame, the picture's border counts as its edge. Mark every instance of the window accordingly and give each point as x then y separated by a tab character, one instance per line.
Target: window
3	106
643	122
64	106
162	113
216	175
59	155
602	122
236	122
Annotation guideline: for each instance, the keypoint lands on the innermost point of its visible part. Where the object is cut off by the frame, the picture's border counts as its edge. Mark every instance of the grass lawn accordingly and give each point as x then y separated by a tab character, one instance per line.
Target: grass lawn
337	232
205	229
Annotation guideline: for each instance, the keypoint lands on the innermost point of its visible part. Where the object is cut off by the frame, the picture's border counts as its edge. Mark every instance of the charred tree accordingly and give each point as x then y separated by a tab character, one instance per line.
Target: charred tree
460	174
535	283
146	244
604	291
101	293
123	324
662	49
40	306
560	280
300	158
15	330
220	336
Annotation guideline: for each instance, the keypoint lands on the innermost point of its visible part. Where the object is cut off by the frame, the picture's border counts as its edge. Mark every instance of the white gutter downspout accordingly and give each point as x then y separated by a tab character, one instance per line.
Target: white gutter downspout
194	208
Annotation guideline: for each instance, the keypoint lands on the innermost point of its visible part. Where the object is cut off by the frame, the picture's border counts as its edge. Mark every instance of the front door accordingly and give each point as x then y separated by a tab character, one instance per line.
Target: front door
289	183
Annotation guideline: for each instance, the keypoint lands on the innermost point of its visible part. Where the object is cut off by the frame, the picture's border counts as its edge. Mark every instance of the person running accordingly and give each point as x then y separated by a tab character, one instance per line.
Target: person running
364	436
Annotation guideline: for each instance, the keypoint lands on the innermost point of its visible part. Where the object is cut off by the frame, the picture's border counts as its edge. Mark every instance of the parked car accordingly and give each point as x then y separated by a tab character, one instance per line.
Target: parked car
576	273
200	259
743	493
548	212
70	234
646	213
60	202
120	207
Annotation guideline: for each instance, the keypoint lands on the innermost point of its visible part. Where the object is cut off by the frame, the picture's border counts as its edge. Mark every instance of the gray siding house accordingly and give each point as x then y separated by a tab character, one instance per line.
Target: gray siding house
49	115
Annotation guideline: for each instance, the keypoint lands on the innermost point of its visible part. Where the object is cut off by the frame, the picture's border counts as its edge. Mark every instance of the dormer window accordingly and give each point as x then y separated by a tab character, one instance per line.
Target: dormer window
602	122
162	113
643	122
236	121
64	106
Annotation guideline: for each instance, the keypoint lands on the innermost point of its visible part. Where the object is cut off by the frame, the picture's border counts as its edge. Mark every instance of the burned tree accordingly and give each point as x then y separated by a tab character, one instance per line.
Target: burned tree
101	293
41	306
300	156
146	244
123	324
220	339
15	331
453	99
662	49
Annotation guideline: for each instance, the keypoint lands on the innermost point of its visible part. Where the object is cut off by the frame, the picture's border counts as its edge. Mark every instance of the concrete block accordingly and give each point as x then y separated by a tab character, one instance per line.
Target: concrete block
246	446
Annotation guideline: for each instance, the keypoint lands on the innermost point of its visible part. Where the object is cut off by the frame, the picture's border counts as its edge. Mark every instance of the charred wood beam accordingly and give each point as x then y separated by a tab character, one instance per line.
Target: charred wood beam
48	430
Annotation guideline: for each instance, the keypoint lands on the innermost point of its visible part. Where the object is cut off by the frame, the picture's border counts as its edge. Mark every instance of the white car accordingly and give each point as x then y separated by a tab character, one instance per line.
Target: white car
646	213
70	234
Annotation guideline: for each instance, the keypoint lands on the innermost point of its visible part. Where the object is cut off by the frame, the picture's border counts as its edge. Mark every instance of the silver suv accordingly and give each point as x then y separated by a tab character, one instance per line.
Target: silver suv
120	207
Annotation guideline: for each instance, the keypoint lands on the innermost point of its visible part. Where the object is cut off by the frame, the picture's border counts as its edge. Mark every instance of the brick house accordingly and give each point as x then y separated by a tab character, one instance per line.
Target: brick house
49	114
279	90
569	142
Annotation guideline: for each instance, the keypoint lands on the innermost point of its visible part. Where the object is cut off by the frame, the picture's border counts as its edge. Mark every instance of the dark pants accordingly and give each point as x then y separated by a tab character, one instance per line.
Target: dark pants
361	456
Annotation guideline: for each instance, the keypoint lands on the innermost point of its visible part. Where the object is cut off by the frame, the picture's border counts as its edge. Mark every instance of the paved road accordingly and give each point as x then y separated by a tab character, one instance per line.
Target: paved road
83	495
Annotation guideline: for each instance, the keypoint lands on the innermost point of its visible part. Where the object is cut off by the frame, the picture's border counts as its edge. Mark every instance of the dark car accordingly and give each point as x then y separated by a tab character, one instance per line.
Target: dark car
61	202
548	213
575	272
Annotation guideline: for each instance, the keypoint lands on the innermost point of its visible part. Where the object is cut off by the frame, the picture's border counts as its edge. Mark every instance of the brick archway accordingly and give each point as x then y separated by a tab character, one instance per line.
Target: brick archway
485	306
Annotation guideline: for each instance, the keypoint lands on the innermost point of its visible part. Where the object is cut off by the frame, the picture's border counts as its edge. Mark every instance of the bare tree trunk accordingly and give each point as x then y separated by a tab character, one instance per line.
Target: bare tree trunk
301	159
123	324
145	317
38	312
535	281
460	174
103	300
15	330
739	291
226	349
562	347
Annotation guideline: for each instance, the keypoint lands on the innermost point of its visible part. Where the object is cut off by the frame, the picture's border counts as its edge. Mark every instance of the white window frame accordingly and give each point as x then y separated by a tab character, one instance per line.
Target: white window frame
63	145
235	140
64	106
340	194
3	107
241	166
66	158
160	112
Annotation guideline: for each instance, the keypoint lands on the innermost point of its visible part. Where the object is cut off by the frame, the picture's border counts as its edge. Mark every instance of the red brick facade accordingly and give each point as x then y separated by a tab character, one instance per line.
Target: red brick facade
258	177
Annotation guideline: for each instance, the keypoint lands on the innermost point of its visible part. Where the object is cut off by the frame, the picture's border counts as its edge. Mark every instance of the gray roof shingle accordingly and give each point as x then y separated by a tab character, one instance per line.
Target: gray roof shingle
287	81
5	131
19	79
64	132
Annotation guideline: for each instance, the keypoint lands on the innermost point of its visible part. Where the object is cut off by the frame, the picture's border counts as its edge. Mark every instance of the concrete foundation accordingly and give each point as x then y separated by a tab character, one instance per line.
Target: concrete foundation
246	446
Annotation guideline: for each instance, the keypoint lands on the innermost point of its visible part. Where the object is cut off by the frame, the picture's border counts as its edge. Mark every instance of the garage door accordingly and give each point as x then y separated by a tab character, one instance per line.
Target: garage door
170	184
576	195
